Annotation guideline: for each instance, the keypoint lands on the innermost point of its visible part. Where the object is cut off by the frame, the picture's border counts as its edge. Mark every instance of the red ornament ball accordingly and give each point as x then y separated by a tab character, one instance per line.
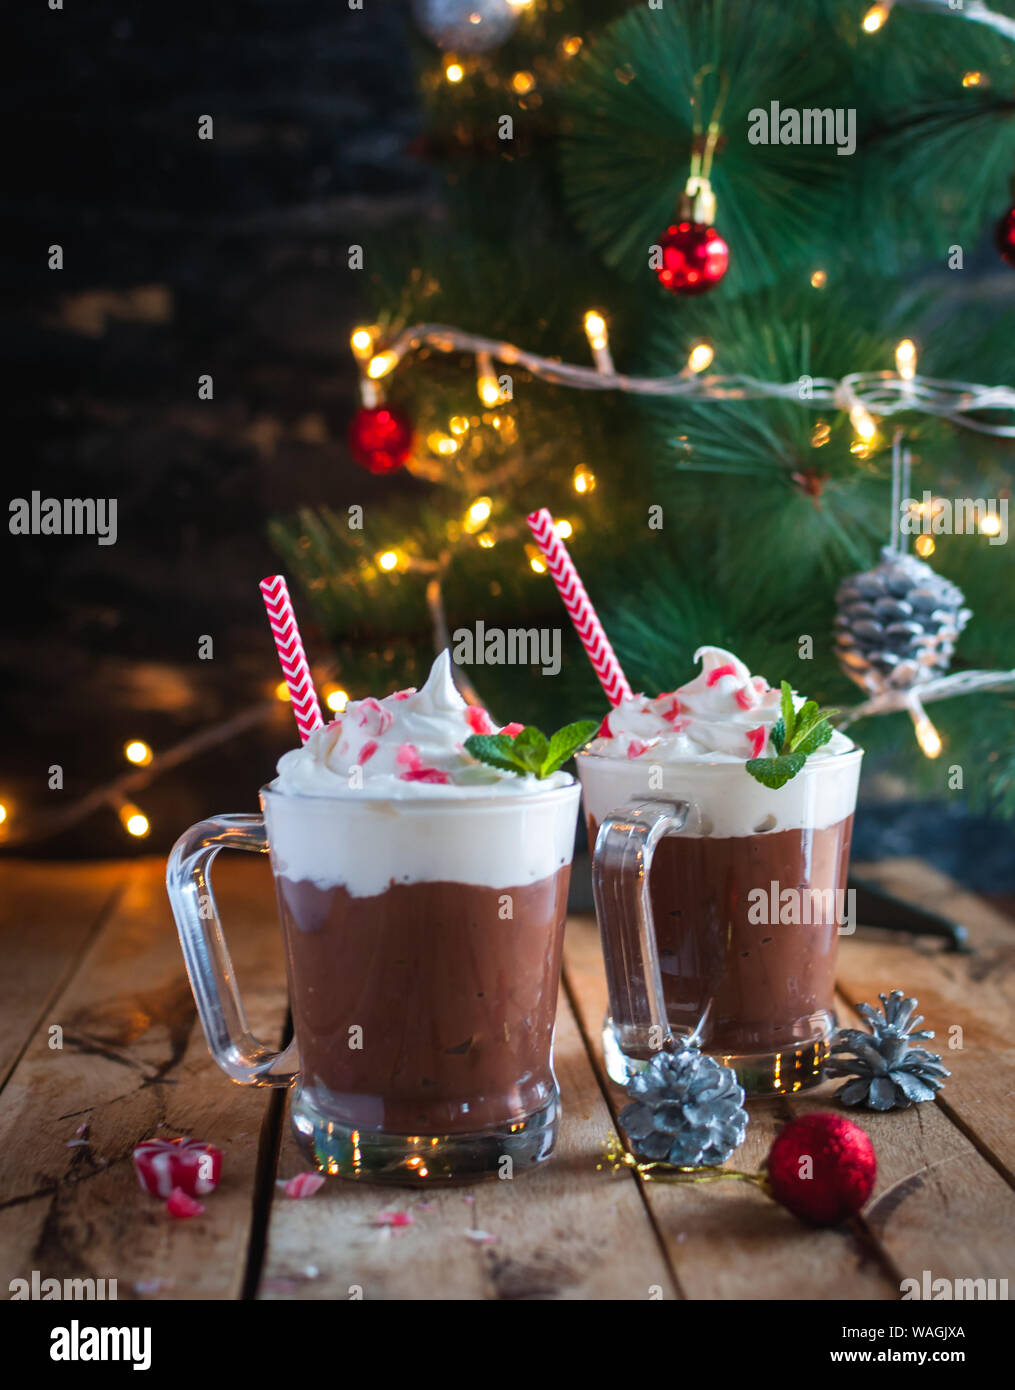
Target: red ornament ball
1004	237
380	438
695	258
822	1168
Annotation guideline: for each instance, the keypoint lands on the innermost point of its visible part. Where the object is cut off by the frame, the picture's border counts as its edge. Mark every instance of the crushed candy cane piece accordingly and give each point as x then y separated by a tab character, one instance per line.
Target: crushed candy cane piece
188	1164
512	730
718	672
759	683
181	1205
403	694
408	756
478	719
302	1185
636	748
744	698
426	774
604	730
374	717
367	751
758	737
394	1218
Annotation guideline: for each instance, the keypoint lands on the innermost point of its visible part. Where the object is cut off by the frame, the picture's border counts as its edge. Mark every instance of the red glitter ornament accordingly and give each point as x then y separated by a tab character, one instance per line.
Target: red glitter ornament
695	258
380	438
822	1168
1004	237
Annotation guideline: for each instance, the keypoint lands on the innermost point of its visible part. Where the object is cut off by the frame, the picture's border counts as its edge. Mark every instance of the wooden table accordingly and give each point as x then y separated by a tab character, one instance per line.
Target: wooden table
100	1047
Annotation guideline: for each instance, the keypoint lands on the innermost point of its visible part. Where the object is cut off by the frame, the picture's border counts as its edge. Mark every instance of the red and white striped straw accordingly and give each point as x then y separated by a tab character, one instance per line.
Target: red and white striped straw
291	655
579	607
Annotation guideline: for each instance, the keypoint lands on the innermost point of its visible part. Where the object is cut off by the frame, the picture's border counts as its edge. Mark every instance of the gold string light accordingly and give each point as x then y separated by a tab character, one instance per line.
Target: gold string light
583	480
335	698
381	364
877	16
905	359
362	343
701	357
137	752
387	560
487	385
134	820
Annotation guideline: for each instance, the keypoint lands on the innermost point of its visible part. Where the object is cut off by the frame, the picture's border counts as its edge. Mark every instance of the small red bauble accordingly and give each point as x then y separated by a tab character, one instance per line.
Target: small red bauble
695	258
822	1168
380	438
1004	237
164	1166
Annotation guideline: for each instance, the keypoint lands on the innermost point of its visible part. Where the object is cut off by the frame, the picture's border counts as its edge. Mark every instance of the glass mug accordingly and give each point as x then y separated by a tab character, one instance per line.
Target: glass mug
720	903
423	942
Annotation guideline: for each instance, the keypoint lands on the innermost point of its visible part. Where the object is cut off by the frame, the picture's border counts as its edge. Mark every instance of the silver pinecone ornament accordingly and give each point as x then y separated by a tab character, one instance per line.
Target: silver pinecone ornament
889	1073
897	624
687	1110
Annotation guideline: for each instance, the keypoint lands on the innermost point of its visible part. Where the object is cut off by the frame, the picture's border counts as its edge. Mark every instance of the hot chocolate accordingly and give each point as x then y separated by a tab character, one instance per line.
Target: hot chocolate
748	895
423	1009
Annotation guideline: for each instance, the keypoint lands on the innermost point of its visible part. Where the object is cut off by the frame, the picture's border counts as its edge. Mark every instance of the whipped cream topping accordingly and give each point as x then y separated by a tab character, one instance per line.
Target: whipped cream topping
723	715
409	744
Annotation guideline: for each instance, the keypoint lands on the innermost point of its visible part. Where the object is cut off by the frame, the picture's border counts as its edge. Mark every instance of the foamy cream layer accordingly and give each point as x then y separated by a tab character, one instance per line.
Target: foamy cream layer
365	843
409	745
725	799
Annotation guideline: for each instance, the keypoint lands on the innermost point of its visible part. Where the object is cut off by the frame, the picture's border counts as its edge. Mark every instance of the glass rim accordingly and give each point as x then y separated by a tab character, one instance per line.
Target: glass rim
478	800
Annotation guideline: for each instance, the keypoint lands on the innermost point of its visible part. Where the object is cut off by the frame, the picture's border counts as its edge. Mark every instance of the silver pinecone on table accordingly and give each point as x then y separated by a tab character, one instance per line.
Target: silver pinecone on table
687	1110
897	624
888	1072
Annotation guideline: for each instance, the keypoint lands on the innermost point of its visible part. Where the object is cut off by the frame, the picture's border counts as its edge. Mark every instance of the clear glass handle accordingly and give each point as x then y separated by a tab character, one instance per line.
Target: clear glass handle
206	954
621	862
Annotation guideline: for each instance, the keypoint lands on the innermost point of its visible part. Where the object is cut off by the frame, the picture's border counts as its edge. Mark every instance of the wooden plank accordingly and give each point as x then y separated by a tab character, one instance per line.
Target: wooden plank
135	1064
972	993
727	1240
48	912
938	1204
563	1232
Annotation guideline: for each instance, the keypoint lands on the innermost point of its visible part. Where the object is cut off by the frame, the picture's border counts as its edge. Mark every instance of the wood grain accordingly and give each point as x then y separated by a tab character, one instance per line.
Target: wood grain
47	915
564	1231
133	1064
726	1239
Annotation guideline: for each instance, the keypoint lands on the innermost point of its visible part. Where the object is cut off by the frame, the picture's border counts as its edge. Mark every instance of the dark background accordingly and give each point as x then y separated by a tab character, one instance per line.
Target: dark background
228	257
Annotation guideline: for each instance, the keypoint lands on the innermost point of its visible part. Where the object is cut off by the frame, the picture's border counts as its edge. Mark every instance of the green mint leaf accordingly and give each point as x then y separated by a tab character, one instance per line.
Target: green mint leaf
530	748
807	715
778	735
776	772
495	749
788	712
817	735
565	742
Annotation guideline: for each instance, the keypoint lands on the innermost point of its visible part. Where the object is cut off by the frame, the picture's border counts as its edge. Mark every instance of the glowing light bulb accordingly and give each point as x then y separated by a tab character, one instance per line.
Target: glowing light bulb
442	444
453	71
282	691
990	525
523	82
905	359
876	16
478	514
863	423
563	529
336	698
927	737
571	46
583	480
135	822
489	391
537	564
3	813
702	356
820	434
595	329
137	752
972	79
362	342
380	365
458	424
387	560
924	546
819	279
487	540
